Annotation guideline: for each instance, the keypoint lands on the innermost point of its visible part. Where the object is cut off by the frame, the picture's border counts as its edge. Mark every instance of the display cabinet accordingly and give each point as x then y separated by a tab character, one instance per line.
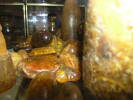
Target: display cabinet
21	19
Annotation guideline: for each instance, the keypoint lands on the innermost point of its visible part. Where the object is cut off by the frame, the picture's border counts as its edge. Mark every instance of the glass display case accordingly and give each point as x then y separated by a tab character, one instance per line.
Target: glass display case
52	69
21	19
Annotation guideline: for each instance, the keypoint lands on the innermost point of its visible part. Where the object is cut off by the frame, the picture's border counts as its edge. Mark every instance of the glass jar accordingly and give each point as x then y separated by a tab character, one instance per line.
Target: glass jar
108	49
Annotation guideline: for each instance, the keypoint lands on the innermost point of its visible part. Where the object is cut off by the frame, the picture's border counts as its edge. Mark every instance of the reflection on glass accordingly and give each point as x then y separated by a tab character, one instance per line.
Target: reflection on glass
38	19
52	23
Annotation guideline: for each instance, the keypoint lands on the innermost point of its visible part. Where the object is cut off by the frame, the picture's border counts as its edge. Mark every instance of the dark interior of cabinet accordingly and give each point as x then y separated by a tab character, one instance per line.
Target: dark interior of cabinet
11	19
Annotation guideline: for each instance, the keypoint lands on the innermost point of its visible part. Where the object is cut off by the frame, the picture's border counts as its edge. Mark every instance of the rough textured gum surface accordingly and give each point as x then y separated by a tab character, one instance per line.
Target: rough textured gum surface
108	48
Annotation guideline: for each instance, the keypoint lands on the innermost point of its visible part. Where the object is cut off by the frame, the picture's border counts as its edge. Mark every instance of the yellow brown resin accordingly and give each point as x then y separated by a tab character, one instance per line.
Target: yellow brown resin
3	49
108	47
7	71
54	47
65	66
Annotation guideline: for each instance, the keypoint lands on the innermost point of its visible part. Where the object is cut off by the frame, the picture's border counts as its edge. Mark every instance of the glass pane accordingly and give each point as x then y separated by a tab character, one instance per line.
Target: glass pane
40	17
11	18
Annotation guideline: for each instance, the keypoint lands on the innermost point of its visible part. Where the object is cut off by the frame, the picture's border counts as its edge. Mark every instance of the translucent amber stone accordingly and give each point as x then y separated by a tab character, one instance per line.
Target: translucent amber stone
42	87
55	46
65	65
66	74
70	55
41	39
7	73
31	66
69	91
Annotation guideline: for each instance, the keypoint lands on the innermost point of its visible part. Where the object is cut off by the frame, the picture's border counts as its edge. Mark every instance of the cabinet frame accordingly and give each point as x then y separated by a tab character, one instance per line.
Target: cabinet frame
23	8
25	11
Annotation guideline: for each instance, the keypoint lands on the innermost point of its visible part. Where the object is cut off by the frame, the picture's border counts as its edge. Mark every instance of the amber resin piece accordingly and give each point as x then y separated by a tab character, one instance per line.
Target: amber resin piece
67	74
3	49
108	49
7	71
16	58
55	46
42	51
45	87
70	69
23	54
41	38
31	66
70	20
69	55
42	87
69	91
71	47
65	65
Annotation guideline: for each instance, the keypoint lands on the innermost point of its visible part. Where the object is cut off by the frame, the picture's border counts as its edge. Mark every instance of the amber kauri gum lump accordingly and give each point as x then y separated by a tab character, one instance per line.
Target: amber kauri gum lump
108	49
7	71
